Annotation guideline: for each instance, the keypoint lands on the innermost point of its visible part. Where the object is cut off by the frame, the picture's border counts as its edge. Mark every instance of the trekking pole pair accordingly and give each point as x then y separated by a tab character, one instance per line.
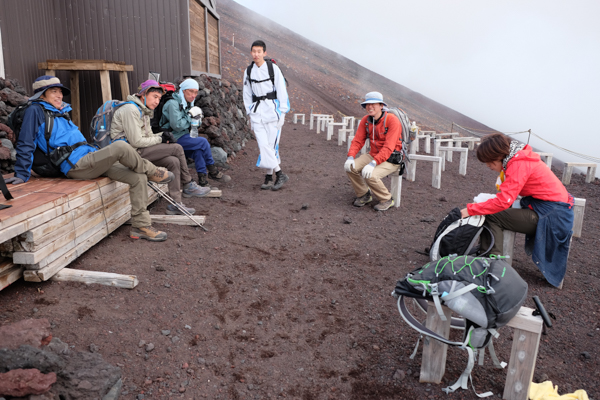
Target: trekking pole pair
165	196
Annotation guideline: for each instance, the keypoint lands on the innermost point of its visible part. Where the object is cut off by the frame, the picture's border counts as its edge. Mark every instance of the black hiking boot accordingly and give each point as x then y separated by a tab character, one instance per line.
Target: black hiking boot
268	182
202	181
280	179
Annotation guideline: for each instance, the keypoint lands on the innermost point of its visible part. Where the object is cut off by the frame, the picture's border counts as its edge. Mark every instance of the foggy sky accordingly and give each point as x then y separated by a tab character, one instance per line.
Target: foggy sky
512	65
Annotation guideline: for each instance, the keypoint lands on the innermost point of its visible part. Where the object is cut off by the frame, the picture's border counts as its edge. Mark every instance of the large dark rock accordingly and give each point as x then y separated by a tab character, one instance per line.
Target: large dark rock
11	97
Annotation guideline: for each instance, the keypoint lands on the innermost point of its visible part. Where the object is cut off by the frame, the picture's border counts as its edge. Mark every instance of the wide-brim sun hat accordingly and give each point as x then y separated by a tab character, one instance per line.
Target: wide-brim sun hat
372	98
46	82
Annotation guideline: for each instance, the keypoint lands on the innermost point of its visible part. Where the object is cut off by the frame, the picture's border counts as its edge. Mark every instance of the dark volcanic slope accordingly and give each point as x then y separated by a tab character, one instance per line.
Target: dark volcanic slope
321	78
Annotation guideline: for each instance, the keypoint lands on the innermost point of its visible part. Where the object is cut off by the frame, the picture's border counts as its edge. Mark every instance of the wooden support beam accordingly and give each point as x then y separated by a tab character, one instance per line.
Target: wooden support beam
578	209
102	278
178	219
11	275
124	81
396	189
105	84
433	364
84	65
76	114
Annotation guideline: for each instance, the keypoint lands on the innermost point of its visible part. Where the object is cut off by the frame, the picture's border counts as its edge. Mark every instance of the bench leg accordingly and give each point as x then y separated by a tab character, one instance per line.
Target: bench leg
411	170
463	163
350	138
428	145
591	175
521	365
433	364
436	179
508	245
396	189
567	172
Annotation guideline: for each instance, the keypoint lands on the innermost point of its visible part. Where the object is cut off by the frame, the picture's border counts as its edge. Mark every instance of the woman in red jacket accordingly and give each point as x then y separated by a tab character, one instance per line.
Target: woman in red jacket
546	216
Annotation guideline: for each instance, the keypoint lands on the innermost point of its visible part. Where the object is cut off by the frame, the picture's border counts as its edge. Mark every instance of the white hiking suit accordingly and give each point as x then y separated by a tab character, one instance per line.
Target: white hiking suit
265	116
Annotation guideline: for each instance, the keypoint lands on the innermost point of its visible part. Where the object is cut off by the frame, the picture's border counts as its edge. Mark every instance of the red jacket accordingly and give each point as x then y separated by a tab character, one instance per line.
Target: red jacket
382	144
526	175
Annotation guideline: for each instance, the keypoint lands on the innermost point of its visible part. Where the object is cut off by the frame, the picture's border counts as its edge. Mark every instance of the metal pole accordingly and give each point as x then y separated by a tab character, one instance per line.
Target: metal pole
165	196
528	136
233	40
452	129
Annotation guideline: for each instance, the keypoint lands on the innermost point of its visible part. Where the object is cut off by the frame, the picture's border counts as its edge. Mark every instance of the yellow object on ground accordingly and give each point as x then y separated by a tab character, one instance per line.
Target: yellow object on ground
546	391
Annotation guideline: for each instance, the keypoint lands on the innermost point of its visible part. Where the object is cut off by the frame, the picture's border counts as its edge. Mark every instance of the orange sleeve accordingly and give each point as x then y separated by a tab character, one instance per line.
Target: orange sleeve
392	139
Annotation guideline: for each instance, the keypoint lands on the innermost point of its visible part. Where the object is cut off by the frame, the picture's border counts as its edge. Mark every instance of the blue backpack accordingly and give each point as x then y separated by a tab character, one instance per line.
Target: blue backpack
100	126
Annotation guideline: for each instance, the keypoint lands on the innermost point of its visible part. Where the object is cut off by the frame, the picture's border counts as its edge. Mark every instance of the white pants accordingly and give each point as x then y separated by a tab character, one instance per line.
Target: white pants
267	136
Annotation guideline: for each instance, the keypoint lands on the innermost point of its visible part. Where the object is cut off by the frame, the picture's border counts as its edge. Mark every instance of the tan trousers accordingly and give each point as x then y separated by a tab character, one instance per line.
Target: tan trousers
171	157
120	161
362	185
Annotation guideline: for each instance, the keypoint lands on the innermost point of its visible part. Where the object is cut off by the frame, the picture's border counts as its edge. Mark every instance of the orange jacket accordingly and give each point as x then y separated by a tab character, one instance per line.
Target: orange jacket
526	175
382	144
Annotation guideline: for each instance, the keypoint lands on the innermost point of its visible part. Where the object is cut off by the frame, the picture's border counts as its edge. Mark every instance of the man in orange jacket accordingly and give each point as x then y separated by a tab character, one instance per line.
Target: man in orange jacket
384	131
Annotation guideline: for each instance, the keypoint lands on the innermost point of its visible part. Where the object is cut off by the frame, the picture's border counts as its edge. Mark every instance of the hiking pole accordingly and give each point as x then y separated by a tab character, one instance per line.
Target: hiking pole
165	196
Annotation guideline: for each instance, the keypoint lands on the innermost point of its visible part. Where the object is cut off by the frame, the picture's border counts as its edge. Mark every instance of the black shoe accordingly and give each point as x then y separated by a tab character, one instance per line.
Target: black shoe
202	181
280	179
268	182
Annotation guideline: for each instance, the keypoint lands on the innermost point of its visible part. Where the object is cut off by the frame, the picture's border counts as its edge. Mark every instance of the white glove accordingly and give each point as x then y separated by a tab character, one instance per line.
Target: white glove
281	121
368	169
349	164
195	112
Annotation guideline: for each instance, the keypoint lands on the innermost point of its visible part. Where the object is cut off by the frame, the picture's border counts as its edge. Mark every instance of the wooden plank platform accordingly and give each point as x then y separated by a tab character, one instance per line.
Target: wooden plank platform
54	221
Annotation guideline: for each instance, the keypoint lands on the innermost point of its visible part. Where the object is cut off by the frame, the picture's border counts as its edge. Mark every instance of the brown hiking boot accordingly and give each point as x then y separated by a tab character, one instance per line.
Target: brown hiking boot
148	233
161	175
202	180
216	175
384	205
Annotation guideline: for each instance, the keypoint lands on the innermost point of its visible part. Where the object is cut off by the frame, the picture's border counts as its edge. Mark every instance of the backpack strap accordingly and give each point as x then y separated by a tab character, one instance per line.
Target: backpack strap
5	192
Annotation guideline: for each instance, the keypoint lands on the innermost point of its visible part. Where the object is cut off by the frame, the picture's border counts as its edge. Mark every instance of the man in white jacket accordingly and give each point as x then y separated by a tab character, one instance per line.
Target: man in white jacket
266	101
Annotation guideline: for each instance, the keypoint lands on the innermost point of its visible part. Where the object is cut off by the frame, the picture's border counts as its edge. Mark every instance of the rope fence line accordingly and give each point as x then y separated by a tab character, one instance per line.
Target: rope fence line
482	132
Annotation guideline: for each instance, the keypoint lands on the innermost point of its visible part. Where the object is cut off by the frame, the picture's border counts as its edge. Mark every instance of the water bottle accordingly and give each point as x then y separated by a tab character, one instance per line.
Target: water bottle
194	130
102	137
467	306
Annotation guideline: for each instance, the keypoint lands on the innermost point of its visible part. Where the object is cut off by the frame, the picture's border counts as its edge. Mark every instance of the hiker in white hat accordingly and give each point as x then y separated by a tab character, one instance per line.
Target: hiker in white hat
384	133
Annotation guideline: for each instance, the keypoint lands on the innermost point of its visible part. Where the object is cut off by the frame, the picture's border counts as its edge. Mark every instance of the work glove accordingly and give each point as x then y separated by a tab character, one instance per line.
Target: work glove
281	121
368	169
196	112
167	137
14	180
349	164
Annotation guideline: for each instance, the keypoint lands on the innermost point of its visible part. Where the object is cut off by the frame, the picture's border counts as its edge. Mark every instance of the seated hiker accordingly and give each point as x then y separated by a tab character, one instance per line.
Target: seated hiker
546	216
384	132
132	123
76	159
177	117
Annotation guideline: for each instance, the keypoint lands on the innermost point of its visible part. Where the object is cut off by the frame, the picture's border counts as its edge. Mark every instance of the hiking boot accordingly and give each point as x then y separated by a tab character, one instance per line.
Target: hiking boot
216	175
364	199
192	189
202	180
268	182
384	205
280	179
148	233
161	175
172	210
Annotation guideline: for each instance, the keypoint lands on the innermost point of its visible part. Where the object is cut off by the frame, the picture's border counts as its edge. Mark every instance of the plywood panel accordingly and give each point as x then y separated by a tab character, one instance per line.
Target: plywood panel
213	45
198	36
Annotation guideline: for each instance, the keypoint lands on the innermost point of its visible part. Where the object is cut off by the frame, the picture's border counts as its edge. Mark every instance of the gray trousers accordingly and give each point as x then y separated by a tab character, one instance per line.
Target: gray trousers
120	161
171	157
522	220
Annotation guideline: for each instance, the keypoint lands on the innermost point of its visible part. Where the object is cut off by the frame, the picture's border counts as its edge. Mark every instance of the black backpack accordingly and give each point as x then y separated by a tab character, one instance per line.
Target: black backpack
42	164
486	292
459	236
271	95
158	112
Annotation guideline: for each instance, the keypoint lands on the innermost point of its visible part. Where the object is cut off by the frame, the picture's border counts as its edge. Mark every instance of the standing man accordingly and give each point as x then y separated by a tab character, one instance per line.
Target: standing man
384	132
266	101
132	123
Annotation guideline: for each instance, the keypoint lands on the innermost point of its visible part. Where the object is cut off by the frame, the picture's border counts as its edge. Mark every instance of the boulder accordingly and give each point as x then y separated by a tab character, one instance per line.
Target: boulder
11	97
23	382
33	332
218	154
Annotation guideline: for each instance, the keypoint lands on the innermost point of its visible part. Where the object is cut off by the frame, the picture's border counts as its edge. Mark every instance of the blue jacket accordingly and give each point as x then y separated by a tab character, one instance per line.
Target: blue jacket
64	133
549	247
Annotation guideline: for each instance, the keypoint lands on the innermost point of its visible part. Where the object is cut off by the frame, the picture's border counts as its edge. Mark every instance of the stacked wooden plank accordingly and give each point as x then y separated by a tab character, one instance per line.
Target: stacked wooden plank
54	221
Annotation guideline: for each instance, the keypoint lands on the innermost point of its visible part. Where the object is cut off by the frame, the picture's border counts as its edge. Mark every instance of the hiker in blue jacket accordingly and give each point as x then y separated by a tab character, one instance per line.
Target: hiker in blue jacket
118	161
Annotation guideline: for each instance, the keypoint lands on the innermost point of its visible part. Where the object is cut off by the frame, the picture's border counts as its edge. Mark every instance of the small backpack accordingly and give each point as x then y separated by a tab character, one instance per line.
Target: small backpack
270	62
459	236
42	164
158	111
486	292
100	126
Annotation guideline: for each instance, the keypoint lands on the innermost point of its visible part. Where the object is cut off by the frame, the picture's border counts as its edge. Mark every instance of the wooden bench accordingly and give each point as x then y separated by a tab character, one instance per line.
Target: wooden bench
331	126
462	169
415	144
526	341
548	157
314	117
348	130
322	122
568	171
296	116
436	174
437	143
